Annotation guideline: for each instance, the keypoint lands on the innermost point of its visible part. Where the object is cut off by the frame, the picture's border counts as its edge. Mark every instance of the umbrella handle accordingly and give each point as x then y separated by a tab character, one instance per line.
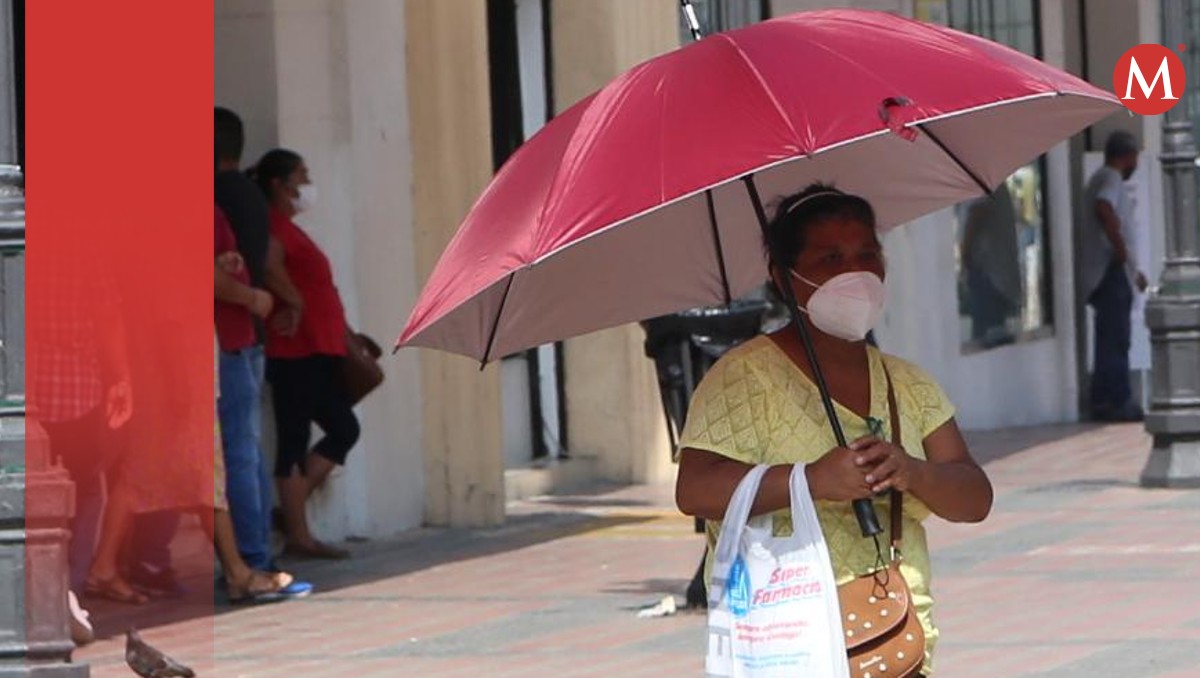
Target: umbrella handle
864	510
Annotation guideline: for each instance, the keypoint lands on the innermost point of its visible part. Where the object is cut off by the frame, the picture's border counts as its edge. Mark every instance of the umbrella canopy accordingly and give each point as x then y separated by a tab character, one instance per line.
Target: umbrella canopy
631	203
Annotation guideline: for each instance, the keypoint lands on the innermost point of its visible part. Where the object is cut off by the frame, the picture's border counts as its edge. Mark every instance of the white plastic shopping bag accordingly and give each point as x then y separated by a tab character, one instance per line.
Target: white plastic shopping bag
772	605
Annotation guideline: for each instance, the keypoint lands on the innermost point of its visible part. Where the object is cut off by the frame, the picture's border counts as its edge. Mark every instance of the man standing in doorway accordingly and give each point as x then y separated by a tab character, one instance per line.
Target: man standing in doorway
1108	275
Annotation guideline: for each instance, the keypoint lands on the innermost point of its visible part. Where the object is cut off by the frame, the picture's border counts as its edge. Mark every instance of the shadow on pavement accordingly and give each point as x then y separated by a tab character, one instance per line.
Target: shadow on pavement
372	561
651	587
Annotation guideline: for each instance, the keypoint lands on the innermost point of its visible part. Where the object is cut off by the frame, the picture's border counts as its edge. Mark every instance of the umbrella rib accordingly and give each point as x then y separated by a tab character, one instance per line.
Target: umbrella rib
712	220
963	166
766	88
487	352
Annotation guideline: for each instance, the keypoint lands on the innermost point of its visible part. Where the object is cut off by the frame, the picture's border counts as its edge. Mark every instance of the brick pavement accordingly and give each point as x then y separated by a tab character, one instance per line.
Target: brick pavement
1078	572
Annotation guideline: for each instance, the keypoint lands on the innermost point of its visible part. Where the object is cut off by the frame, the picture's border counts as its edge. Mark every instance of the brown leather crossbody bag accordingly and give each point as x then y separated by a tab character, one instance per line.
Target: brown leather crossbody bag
884	638
359	371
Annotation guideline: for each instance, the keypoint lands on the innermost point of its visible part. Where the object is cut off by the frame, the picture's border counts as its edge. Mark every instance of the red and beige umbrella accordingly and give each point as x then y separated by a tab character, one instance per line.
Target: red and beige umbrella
646	198
635	202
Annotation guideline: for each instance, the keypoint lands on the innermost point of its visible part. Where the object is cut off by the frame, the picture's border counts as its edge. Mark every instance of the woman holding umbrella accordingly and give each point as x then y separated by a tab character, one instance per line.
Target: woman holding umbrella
626	206
760	404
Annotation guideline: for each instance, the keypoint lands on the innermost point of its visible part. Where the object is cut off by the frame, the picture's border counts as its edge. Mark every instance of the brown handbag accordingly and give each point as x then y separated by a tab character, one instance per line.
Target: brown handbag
884	638
360	372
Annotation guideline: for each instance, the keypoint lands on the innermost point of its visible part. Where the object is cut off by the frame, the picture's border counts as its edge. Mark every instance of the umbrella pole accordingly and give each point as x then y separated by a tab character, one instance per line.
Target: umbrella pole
864	510
689	15
712	221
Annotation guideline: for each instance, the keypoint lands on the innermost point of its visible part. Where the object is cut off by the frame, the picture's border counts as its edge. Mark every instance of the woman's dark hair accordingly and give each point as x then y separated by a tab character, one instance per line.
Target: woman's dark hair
815	204
275	164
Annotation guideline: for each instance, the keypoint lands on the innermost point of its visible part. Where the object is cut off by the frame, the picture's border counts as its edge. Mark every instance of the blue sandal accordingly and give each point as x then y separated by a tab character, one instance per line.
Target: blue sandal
266	587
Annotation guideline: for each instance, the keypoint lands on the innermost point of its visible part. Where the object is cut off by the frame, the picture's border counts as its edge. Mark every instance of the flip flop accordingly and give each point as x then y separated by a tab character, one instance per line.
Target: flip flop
267	587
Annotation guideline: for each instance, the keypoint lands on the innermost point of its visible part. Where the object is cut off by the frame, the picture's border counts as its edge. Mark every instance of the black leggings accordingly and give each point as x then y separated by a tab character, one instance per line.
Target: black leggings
307	391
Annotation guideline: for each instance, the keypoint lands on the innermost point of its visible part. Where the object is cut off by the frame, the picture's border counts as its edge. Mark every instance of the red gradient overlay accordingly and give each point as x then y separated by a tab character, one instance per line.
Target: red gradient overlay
118	301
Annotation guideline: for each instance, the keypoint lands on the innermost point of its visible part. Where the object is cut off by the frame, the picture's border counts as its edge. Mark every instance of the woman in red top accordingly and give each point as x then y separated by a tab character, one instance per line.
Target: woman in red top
303	358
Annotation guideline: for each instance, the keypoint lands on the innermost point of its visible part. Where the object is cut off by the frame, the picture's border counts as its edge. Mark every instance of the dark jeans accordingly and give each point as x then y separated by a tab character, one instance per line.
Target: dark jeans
1113	302
247	480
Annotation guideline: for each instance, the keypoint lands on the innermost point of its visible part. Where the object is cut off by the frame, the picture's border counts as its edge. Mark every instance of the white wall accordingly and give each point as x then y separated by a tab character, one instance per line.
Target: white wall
244	68
385	286
328	80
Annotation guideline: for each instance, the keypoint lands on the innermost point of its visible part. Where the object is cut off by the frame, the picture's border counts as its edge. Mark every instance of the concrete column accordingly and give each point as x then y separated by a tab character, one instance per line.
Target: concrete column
392	494
449	111
614	413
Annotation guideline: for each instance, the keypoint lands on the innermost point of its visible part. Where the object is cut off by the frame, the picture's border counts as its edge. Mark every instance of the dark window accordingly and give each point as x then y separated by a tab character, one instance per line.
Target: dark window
505	80
1003	246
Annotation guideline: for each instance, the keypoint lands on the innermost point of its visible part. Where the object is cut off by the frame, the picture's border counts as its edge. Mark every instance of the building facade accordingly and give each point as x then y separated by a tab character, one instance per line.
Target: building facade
403	110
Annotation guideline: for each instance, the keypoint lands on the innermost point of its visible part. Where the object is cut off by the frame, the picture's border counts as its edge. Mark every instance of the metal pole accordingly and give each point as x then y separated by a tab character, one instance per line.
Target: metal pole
36	497
1173	312
689	15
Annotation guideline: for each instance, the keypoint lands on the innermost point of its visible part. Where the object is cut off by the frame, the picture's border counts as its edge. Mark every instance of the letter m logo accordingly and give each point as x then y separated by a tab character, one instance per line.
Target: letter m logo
1149	95
1135	73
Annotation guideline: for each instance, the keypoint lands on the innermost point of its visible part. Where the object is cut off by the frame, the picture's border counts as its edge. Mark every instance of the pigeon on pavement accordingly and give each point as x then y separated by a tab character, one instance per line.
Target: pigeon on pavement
148	662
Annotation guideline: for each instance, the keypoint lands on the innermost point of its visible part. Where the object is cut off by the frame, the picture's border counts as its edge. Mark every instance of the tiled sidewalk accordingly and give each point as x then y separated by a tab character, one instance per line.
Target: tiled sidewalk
1078	572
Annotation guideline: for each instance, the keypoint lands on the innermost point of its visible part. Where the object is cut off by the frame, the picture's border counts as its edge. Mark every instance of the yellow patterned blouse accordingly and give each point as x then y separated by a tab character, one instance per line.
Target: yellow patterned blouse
756	406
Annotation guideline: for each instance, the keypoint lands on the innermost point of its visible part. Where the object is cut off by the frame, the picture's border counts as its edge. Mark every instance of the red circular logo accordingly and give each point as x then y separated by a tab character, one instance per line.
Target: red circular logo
1149	79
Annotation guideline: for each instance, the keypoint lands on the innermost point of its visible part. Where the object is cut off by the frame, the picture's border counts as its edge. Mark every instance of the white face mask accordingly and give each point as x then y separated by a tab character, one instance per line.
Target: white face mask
848	305
306	198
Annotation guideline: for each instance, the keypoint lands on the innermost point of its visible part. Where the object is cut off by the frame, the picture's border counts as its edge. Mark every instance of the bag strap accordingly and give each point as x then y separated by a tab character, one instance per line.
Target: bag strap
896	498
